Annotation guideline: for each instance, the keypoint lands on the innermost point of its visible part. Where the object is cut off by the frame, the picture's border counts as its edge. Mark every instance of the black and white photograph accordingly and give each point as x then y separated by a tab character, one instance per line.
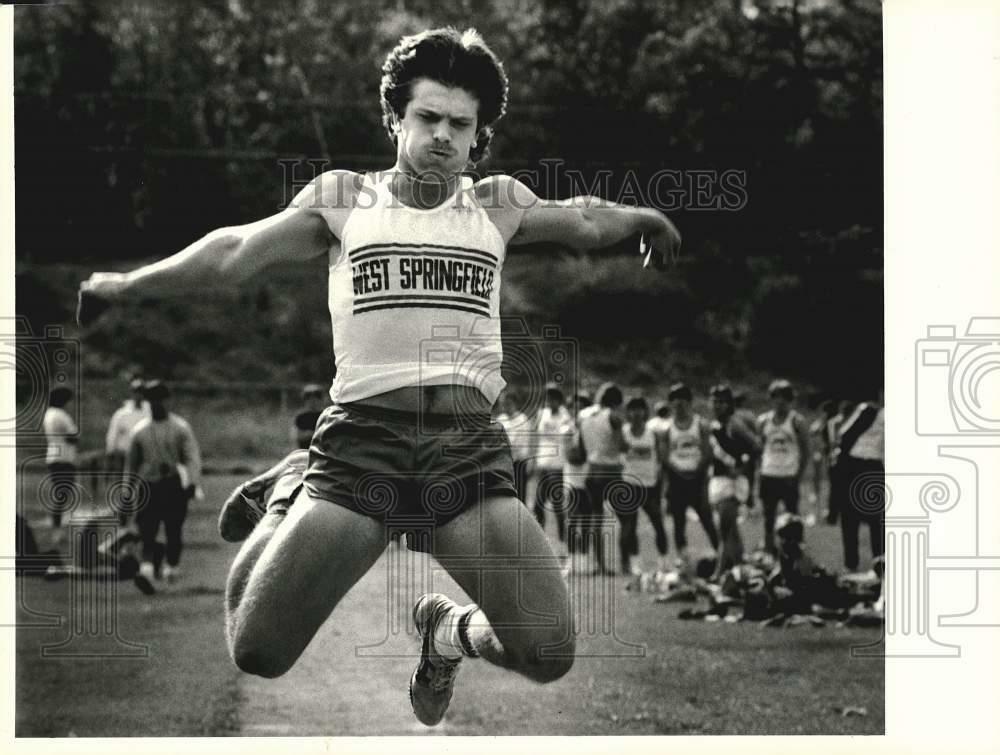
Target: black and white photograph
486	368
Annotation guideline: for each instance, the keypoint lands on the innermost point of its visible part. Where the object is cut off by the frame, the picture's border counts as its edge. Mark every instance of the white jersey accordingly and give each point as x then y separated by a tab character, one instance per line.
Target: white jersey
122	423
599	437
642	466
684	454
58	426
549	432
781	446
414	295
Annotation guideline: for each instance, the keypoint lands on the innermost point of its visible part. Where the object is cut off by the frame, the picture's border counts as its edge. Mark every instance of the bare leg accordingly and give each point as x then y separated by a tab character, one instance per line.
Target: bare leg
499	555
290	575
731	553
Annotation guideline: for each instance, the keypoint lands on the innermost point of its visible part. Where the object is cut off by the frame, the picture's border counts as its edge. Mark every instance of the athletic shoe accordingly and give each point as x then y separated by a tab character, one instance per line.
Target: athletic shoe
433	680
246	505
143	578
171	573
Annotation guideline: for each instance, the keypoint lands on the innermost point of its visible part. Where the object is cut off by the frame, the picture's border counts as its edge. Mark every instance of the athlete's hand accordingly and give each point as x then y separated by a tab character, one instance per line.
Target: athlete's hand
95	296
660	248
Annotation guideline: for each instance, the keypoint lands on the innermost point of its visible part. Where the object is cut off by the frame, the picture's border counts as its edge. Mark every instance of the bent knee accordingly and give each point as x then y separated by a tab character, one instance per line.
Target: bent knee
548	660
260	661
258	656
547	667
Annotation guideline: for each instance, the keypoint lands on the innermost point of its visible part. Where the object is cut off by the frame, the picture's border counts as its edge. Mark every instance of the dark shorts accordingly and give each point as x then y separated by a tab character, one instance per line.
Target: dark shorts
411	472
785	489
684	492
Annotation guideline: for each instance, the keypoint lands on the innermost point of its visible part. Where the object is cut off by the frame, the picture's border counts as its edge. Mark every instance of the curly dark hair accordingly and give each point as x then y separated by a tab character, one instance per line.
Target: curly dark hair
453	58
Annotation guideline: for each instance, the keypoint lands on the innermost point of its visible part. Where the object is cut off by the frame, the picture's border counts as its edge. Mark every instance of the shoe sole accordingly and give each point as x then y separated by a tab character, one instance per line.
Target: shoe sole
144	585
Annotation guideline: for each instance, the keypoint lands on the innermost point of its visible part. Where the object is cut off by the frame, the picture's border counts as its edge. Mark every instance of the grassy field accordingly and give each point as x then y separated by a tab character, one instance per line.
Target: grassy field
683	677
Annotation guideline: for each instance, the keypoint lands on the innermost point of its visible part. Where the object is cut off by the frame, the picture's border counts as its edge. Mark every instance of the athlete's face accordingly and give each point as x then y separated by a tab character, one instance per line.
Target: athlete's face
681	407
637	417
780	402
438	128
721	408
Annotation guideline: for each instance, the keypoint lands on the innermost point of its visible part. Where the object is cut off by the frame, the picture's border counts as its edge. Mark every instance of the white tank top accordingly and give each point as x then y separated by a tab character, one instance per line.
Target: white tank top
414	295
781	447
685	446
641	465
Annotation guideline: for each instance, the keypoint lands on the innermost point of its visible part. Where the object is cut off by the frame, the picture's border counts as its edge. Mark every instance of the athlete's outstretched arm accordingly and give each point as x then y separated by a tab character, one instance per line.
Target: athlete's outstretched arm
224	257
586	222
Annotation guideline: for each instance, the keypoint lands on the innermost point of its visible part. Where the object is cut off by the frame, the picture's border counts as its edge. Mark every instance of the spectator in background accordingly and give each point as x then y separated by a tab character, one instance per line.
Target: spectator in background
521	436
159	445
574	476
642	473
685	448
304	424
62	437
820	444
602	438
734	452
784	458
836	502
123	422
862	465
547	452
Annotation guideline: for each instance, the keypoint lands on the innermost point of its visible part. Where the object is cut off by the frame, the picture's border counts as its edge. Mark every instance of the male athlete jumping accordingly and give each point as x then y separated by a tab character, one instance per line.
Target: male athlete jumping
414	253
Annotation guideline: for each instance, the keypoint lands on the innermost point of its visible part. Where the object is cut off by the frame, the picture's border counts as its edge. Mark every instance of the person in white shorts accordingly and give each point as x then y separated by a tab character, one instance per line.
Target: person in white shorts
642	473
548	455
734	450
574	476
784	457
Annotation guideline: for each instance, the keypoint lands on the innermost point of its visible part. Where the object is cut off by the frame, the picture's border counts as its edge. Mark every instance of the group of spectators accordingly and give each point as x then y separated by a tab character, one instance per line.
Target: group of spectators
586	453
583	453
151	449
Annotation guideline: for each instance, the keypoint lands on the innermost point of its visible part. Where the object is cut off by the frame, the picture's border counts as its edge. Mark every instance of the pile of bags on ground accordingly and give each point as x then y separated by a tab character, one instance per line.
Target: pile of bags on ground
787	590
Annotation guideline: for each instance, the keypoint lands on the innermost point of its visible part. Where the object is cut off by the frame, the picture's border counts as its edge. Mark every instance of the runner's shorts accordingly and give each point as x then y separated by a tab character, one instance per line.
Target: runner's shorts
411	471
723	488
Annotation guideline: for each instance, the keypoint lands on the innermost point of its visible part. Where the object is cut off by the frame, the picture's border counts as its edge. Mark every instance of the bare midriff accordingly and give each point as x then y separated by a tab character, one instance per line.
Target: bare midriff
432	399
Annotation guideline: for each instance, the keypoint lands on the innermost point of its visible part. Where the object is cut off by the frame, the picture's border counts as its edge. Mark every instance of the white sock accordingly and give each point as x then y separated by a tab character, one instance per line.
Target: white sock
446	641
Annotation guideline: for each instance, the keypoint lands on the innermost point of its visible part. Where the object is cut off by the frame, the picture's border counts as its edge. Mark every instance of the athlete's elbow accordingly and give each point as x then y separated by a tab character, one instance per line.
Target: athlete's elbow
230	253
587	237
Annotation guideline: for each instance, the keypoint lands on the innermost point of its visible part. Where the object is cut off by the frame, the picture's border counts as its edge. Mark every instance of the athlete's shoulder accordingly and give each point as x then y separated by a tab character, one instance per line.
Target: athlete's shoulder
500	191
180	422
331	190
